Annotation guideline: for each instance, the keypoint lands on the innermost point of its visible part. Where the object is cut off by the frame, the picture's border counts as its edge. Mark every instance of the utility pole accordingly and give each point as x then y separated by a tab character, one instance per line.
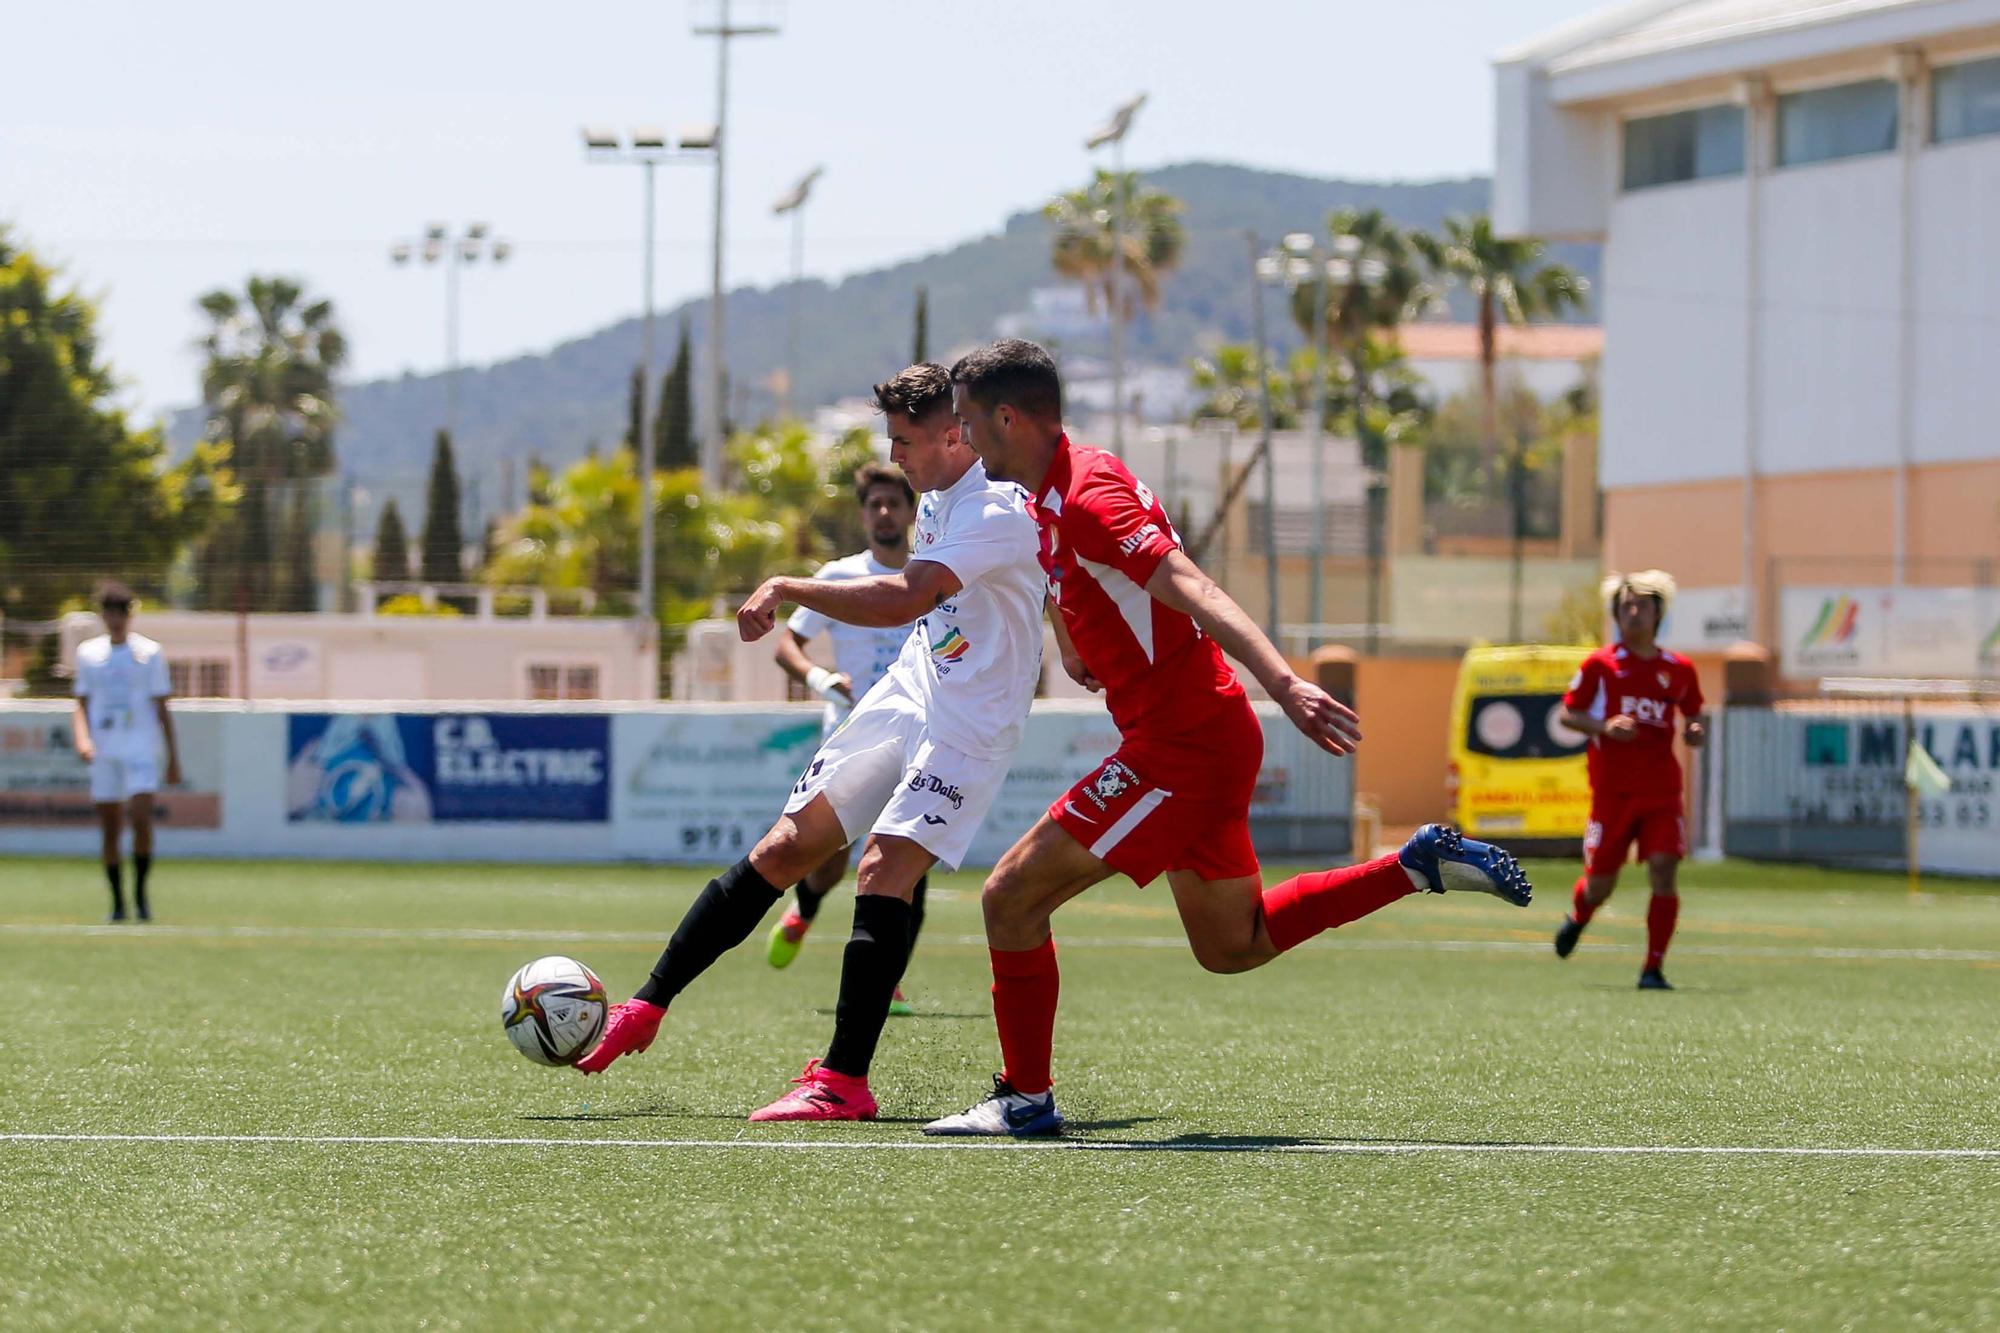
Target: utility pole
723	31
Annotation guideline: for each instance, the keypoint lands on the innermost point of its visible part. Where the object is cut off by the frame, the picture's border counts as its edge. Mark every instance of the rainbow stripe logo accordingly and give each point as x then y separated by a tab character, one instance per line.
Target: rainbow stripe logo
951	647
1835	625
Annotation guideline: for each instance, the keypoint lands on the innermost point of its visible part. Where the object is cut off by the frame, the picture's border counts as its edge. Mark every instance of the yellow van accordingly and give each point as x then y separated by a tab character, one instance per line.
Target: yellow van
1515	769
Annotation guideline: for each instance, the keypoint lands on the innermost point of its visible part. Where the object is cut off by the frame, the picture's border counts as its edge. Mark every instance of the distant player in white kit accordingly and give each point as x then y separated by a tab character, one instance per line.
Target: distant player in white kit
862	655
915	766
122	725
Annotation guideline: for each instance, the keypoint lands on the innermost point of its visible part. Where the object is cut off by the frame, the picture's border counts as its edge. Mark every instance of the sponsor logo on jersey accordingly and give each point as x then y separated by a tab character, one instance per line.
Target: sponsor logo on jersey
922	781
951	647
1137	539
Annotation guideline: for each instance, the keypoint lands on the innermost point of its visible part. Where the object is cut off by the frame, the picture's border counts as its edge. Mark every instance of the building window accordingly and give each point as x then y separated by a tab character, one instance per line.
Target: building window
563	680
1844	121
1683	146
198	678
1965	100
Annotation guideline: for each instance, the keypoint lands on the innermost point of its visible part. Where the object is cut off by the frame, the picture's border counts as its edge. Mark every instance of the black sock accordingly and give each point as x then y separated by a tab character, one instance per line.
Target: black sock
114	874
917	910
808	900
876	954
721	918
141	867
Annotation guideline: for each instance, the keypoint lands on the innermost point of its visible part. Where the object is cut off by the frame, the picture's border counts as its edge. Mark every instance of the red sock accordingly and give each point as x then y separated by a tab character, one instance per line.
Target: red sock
1660	918
1301	908
1581	907
1025	986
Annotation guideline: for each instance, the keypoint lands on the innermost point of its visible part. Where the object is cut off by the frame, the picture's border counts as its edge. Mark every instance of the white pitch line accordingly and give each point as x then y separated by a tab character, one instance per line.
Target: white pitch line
1043	1145
469	934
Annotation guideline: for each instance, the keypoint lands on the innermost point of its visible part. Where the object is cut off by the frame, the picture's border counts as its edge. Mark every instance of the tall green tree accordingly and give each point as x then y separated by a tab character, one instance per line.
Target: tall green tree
1088	231
1508	280
635	408
83	494
270	358
673	430
392	546
443	542
921	341
300	571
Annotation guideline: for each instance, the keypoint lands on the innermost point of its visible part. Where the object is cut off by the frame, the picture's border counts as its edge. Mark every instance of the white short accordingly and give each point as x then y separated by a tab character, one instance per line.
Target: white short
882	773
117	778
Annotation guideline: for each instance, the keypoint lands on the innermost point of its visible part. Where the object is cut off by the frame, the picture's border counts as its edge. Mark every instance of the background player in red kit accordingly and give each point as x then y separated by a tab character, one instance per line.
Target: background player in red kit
1625	698
1137	619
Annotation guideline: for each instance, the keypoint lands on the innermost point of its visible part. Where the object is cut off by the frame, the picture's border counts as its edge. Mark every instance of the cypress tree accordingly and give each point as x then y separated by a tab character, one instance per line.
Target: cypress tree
392	546
673	429
923	336
301	587
443	543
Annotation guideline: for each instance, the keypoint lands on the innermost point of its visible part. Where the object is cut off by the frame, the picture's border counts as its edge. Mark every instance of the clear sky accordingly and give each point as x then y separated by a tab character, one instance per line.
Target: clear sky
157	150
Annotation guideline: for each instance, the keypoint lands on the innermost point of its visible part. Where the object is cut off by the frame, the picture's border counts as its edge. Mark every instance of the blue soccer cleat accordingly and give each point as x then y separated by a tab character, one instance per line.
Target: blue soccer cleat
1450	861
1005	1113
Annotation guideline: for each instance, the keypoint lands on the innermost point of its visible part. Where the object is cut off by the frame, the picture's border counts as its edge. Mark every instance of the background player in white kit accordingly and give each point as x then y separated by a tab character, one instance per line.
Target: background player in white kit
122	725
917	764
862	655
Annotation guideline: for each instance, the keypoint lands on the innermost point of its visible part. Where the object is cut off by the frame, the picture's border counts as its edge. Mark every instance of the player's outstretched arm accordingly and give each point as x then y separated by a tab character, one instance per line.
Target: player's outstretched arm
882	602
1179	583
792	660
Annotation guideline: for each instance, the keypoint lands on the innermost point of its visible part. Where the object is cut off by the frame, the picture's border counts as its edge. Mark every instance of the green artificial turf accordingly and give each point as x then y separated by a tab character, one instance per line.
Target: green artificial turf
1815	1009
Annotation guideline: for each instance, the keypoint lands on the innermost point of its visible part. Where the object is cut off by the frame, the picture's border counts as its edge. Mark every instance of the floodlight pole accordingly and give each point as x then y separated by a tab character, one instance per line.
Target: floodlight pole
1114	133
718	370
794	203
1270	465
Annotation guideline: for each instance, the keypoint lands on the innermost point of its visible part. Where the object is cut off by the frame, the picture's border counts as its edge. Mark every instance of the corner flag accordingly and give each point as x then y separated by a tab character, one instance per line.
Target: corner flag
1923	775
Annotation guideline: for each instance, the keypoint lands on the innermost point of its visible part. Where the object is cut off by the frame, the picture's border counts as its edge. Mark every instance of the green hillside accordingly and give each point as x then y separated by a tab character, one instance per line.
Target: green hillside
556	403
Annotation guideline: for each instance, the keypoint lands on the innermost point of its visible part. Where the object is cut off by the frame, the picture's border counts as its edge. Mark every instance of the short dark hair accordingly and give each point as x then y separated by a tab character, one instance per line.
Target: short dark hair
917	391
113	595
1012	371
875	473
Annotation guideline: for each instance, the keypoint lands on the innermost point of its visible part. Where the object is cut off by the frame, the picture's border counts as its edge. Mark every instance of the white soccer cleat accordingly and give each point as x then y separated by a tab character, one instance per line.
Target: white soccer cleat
1006	1114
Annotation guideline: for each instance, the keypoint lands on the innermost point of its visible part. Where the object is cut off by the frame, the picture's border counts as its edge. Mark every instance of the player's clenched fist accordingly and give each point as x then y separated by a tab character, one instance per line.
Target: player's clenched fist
1330	724
758	616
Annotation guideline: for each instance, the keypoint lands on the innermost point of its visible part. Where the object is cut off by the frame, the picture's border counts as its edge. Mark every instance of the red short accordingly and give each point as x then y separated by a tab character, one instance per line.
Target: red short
1654	823
1180	802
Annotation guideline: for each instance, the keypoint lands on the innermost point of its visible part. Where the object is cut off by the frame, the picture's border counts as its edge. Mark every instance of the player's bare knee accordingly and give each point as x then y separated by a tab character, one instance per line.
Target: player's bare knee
1225	960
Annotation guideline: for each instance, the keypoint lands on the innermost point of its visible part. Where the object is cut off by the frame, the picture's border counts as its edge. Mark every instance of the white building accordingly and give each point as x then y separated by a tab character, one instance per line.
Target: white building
1801	294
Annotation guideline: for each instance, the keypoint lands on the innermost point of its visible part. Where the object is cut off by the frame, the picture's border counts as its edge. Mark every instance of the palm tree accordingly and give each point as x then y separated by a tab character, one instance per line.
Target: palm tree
1507	280
267	380
1087	221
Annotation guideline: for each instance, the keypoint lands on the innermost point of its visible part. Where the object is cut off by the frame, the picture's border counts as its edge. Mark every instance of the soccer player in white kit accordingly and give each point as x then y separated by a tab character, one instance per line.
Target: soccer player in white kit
915	767
122	724
862	655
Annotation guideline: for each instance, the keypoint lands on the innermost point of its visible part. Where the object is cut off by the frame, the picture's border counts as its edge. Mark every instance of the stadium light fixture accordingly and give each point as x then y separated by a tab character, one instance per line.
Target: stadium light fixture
475	241
648	147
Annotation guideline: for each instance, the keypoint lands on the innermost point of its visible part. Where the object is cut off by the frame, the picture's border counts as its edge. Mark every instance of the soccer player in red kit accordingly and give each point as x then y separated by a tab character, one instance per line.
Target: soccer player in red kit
1625	698
1137	619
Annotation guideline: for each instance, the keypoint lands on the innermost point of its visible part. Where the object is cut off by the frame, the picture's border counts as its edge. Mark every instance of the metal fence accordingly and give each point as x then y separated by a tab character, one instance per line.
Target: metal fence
1824	781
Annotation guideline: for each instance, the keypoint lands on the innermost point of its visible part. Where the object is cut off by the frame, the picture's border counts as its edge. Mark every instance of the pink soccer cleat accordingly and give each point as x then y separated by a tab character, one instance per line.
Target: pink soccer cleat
630	1030
821	1094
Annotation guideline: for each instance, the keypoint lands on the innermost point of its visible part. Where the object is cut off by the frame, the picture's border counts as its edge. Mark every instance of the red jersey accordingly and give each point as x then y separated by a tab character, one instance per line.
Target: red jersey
1105	533
1650	691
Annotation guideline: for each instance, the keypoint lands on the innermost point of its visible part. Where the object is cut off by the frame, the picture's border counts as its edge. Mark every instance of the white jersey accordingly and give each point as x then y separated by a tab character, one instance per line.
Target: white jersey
861	653
118	684
974	661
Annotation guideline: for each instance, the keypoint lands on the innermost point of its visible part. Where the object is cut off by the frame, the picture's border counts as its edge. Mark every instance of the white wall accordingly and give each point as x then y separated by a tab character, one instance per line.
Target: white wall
694	783
1958	299
1676	276
1828	288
